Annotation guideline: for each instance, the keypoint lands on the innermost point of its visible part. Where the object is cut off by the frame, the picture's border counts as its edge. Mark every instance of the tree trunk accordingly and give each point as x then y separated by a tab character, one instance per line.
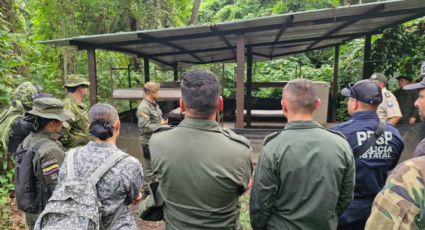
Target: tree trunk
195	11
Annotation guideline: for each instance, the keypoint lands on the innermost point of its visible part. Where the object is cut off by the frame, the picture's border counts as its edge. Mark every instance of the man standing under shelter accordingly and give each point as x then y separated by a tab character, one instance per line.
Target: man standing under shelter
376	151
203	169
406	100
388	110
149	117
77	133
305	174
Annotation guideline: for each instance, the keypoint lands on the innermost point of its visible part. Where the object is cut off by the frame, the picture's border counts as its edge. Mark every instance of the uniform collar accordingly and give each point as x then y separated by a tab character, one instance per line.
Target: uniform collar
48	135
302	125
365	115
200	124
152	103
74	101
102	145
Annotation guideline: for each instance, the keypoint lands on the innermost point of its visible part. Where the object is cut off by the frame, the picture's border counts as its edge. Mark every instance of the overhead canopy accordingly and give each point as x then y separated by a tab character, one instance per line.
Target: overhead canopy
269	37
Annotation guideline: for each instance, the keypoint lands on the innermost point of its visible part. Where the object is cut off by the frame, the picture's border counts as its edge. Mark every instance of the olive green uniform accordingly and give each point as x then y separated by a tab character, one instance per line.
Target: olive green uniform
77	134
149	117
202	171
46	164
304	179
400	204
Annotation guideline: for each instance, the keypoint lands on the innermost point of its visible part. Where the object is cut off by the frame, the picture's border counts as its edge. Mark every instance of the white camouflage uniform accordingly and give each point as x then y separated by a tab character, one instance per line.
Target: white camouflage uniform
121	184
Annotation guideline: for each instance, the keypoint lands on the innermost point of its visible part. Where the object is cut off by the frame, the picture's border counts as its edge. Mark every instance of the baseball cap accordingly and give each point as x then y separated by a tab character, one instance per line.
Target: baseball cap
419	85
379	77
74	80
365	91
51	108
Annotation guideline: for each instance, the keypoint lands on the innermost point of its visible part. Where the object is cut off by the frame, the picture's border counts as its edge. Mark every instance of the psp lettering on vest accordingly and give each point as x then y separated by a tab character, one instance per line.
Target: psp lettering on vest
381	150
363	136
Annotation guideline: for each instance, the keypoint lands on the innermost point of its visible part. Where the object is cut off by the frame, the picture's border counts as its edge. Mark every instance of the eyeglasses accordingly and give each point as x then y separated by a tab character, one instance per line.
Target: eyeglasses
350	86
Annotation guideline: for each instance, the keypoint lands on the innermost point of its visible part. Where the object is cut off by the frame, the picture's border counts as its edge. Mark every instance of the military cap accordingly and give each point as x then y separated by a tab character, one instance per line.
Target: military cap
152	86
419	85
24	93
74	80
379	77
50	108
365	91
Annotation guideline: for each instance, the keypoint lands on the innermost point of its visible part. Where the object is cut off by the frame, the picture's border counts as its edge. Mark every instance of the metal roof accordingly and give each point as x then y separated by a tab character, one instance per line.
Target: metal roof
269	37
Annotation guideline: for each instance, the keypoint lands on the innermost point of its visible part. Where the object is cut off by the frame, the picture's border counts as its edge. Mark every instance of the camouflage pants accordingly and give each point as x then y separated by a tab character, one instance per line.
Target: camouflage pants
148	176
31	218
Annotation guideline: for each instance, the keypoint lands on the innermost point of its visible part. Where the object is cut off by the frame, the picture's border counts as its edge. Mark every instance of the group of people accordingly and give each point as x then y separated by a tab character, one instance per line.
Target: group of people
307	176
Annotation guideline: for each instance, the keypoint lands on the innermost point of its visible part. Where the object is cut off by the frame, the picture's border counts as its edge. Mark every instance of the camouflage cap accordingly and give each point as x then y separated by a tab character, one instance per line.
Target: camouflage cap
51	108
379	77
152	86
24	93
74	80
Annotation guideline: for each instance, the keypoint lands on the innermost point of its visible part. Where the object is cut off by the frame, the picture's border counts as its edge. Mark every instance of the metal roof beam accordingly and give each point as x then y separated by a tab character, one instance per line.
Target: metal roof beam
167	43
331	19
287	24
366	14
213	28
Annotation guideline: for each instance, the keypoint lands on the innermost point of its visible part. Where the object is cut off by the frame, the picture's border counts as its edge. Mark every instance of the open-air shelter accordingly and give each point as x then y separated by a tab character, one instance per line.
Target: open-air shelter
247	41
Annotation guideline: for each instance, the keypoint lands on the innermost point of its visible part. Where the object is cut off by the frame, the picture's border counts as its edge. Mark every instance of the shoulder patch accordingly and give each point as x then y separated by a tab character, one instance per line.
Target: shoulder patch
163	128
337	133
271	136
387	94
238	138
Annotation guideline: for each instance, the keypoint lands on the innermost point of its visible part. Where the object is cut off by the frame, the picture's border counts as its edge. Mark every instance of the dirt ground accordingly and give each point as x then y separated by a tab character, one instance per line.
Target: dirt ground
17	219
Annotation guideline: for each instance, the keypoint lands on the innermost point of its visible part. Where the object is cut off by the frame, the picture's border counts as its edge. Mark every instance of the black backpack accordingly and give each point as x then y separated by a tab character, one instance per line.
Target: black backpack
25	187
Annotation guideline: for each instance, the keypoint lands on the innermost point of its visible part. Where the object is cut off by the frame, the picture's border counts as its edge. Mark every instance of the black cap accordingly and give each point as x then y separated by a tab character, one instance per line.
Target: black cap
419	85
365	91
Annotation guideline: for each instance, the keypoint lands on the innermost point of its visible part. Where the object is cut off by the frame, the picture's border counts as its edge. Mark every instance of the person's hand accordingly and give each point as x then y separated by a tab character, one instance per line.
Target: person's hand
137	199
412	120
164	122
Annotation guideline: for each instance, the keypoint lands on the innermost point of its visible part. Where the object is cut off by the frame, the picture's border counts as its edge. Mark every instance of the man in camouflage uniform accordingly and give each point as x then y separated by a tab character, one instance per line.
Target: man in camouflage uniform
21	103
305	173
50	115
78	131
389	109
149	118
406	100
203	169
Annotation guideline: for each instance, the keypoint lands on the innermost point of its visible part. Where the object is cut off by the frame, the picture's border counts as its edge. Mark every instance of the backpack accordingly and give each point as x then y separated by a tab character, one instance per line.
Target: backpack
74	203
25	187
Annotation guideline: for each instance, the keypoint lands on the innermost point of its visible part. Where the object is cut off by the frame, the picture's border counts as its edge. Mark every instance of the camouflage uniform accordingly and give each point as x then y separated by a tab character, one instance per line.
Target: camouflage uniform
22	102
77	133
400	205
119	186
50	154
149	117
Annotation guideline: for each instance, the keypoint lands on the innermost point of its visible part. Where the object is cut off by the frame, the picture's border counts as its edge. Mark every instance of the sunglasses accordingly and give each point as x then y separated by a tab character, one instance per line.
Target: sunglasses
350	86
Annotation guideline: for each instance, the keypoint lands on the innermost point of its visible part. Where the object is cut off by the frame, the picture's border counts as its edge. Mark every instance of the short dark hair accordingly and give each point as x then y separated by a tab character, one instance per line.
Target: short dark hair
200	91
73	89
302	94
